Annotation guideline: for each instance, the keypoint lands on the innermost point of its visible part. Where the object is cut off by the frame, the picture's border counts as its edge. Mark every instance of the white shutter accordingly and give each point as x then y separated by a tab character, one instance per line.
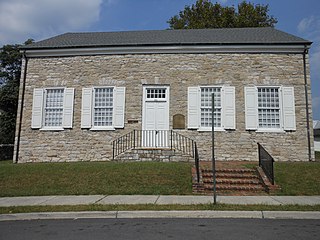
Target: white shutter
229	108
289	116
86	108
37	106
251	108
119	107
68	107
193	107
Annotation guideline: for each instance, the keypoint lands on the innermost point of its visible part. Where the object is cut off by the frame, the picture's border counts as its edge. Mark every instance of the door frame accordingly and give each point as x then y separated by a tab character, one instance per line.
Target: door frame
155	138
145	99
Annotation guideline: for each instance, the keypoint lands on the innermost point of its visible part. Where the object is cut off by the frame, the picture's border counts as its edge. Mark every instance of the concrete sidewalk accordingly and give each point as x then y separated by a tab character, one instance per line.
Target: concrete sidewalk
155	199
159	200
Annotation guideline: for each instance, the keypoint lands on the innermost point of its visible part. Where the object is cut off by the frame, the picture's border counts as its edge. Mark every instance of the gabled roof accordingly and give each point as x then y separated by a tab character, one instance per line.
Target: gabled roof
223	36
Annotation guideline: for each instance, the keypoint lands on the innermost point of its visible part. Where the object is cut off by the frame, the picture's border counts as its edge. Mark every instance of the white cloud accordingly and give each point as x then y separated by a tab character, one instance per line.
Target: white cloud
316	107
223	1
108	2
310	28
306	23
315	61
21	19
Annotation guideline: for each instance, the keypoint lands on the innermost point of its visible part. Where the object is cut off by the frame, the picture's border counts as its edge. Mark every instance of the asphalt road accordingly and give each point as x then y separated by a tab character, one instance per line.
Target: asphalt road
154	229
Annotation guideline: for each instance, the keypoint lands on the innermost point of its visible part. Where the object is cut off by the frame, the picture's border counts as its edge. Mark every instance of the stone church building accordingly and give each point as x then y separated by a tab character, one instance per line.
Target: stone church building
101	96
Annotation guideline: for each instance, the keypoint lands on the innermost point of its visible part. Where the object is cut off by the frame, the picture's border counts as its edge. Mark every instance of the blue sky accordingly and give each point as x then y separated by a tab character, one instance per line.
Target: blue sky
40	19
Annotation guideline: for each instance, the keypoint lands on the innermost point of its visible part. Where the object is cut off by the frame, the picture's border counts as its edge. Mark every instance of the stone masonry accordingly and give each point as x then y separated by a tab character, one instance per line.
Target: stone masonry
179	71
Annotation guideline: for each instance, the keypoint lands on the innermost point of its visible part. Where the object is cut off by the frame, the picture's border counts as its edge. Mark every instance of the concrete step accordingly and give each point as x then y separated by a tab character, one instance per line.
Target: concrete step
227	187
230	170
230	175
232	181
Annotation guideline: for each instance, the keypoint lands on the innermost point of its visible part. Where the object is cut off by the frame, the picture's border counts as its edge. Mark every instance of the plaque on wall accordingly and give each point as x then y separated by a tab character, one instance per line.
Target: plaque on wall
178	121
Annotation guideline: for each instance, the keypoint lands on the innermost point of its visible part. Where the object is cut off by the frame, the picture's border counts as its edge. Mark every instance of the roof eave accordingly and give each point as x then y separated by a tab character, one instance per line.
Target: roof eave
26	47
166	49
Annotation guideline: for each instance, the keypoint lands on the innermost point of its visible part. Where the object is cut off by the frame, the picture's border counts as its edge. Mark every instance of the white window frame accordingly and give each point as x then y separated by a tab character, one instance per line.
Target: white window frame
39	108
220	128
286	109
156	87
44	127
88	108
280	128
109	127
227	108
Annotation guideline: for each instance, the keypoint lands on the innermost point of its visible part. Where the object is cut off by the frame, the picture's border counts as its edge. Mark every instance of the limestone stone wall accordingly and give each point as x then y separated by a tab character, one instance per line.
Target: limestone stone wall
179	71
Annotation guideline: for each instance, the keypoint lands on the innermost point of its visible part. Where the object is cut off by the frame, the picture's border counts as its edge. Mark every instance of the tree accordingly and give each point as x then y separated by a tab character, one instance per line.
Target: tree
10	71
205	14
250	15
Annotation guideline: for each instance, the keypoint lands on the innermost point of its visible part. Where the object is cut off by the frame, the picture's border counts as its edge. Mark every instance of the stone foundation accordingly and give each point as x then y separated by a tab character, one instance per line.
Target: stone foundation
157	155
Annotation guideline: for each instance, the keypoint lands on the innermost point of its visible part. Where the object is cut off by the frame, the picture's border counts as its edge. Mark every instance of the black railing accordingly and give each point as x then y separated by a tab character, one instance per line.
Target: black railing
182	143
123	144
266	163
196	161
156	139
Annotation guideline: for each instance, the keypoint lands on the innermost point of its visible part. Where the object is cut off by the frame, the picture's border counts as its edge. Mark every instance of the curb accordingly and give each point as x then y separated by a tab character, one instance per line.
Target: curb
161	214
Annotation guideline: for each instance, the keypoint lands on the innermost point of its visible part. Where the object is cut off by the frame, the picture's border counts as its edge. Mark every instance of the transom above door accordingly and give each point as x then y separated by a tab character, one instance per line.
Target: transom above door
156	94
155	116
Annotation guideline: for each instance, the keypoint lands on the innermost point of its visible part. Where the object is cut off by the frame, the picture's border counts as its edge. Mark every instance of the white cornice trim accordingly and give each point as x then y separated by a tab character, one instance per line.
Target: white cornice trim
32	53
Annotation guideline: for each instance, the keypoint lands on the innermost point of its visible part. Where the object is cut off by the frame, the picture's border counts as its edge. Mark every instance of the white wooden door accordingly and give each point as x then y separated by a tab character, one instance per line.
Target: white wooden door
155	124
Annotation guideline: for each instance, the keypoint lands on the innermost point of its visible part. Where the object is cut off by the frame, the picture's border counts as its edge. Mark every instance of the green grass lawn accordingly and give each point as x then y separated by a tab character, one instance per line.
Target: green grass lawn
84	178
298	178
154	207
109	178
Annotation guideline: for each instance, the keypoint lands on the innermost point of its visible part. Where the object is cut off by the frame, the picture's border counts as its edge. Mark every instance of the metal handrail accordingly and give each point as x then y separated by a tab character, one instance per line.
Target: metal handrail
197	161
156	139
121	145
182	143
266	163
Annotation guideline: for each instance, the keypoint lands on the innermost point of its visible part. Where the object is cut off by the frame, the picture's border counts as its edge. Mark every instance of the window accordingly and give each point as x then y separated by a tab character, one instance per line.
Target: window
103	108
270	108
199	107
206	103
156	93
52	108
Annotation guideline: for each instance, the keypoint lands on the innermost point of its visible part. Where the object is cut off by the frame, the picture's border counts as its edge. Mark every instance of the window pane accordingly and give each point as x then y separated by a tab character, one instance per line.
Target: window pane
268	108
103	107
206	95
53	111
156	93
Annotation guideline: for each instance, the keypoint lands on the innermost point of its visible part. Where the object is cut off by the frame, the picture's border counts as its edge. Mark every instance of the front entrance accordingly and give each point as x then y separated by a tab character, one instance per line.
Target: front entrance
155	116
